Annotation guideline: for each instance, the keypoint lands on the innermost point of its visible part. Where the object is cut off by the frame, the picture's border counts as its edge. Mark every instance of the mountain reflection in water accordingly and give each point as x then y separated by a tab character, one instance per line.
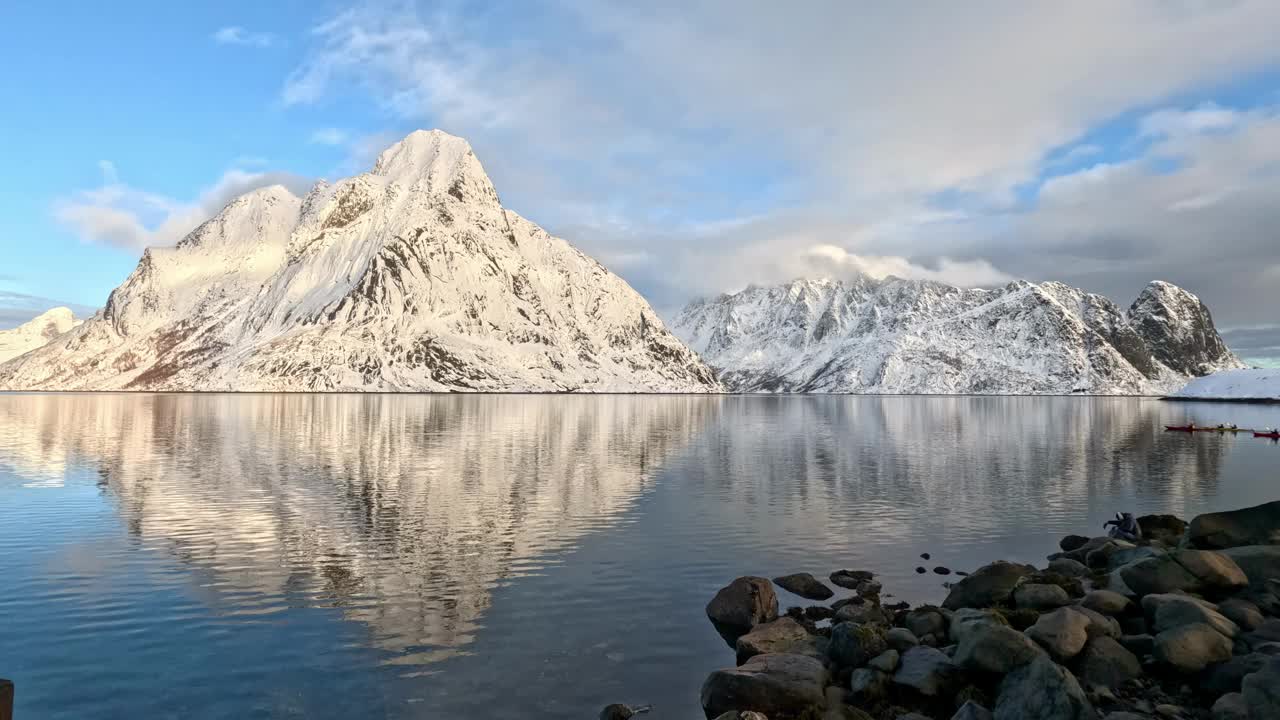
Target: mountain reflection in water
516	556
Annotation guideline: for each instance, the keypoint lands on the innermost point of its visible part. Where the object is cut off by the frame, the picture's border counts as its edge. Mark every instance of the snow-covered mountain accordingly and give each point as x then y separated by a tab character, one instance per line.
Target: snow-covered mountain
38	331
412	277
870	335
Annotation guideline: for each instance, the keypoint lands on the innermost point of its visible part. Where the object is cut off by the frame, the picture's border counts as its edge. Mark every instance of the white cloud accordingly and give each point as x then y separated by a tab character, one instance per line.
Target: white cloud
236	35
123	216
1173	121
329	136
1076	154
842	123
838	262
1199	208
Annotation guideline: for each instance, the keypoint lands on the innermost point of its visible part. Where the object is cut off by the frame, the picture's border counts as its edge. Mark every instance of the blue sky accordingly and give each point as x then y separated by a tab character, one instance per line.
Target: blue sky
692	147
143	86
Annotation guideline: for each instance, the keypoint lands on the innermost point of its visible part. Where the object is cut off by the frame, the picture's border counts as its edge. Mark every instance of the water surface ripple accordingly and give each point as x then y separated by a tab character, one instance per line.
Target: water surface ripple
420	556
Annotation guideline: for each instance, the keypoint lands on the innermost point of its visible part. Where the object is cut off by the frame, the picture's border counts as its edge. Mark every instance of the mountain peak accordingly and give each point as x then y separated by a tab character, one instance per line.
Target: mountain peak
36	332
409	277
1179	328
444	162
59	315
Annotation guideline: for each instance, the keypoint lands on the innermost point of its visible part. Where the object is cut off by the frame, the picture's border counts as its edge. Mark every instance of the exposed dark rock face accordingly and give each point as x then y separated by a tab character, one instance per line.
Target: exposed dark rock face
1177	329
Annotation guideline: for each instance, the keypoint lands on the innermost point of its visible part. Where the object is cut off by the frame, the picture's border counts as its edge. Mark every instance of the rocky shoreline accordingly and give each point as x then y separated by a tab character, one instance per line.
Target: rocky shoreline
1181	624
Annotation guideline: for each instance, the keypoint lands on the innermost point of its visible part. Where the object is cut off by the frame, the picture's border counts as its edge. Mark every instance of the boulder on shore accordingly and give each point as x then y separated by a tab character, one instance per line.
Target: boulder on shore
851	579
1257	525
867	686
1215	570
1230	707
1161	574
854	644
1167	529
1260	563
1072	542
989	585
804	585
971	710
901	639
926	671
1243	613
1227	677
1044	690
1104	662
1039	596
1062	632
1068	567
861	612
783	635
1174	611
925	620
782	686
1261	691
1099	624
1192	648
967	620
1106	602
743	604
995	648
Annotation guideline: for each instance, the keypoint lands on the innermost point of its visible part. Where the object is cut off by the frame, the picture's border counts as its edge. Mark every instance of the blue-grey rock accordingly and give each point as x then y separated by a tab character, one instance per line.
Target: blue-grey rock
1044	690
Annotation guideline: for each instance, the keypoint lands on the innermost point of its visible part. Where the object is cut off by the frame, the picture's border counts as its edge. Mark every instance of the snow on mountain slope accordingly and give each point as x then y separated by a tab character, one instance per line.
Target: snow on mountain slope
412	277
904	336
36	332
1254	384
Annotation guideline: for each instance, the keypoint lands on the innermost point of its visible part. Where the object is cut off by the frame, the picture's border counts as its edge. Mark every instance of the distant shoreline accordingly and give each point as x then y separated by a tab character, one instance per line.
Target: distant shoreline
572	393
1244	401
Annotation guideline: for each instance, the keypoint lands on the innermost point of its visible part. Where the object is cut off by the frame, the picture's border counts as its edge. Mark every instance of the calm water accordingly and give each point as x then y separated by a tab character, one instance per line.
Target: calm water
516	556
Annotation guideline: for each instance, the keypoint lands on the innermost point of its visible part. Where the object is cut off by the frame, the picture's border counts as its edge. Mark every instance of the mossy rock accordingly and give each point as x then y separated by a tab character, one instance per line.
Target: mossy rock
1021	618
1072	585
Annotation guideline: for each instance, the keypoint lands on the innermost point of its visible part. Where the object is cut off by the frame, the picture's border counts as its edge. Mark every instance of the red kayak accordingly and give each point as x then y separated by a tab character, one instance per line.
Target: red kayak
1274	434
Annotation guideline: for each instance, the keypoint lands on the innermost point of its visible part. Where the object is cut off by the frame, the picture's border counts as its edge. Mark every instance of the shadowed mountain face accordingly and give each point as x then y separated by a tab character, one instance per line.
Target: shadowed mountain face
903	336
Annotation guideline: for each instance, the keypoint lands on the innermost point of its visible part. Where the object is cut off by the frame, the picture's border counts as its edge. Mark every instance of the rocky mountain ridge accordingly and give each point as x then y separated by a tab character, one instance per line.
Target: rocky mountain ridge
36	332
868	335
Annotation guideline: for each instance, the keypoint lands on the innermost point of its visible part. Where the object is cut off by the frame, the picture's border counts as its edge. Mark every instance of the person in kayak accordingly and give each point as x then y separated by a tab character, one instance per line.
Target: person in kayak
1126	527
